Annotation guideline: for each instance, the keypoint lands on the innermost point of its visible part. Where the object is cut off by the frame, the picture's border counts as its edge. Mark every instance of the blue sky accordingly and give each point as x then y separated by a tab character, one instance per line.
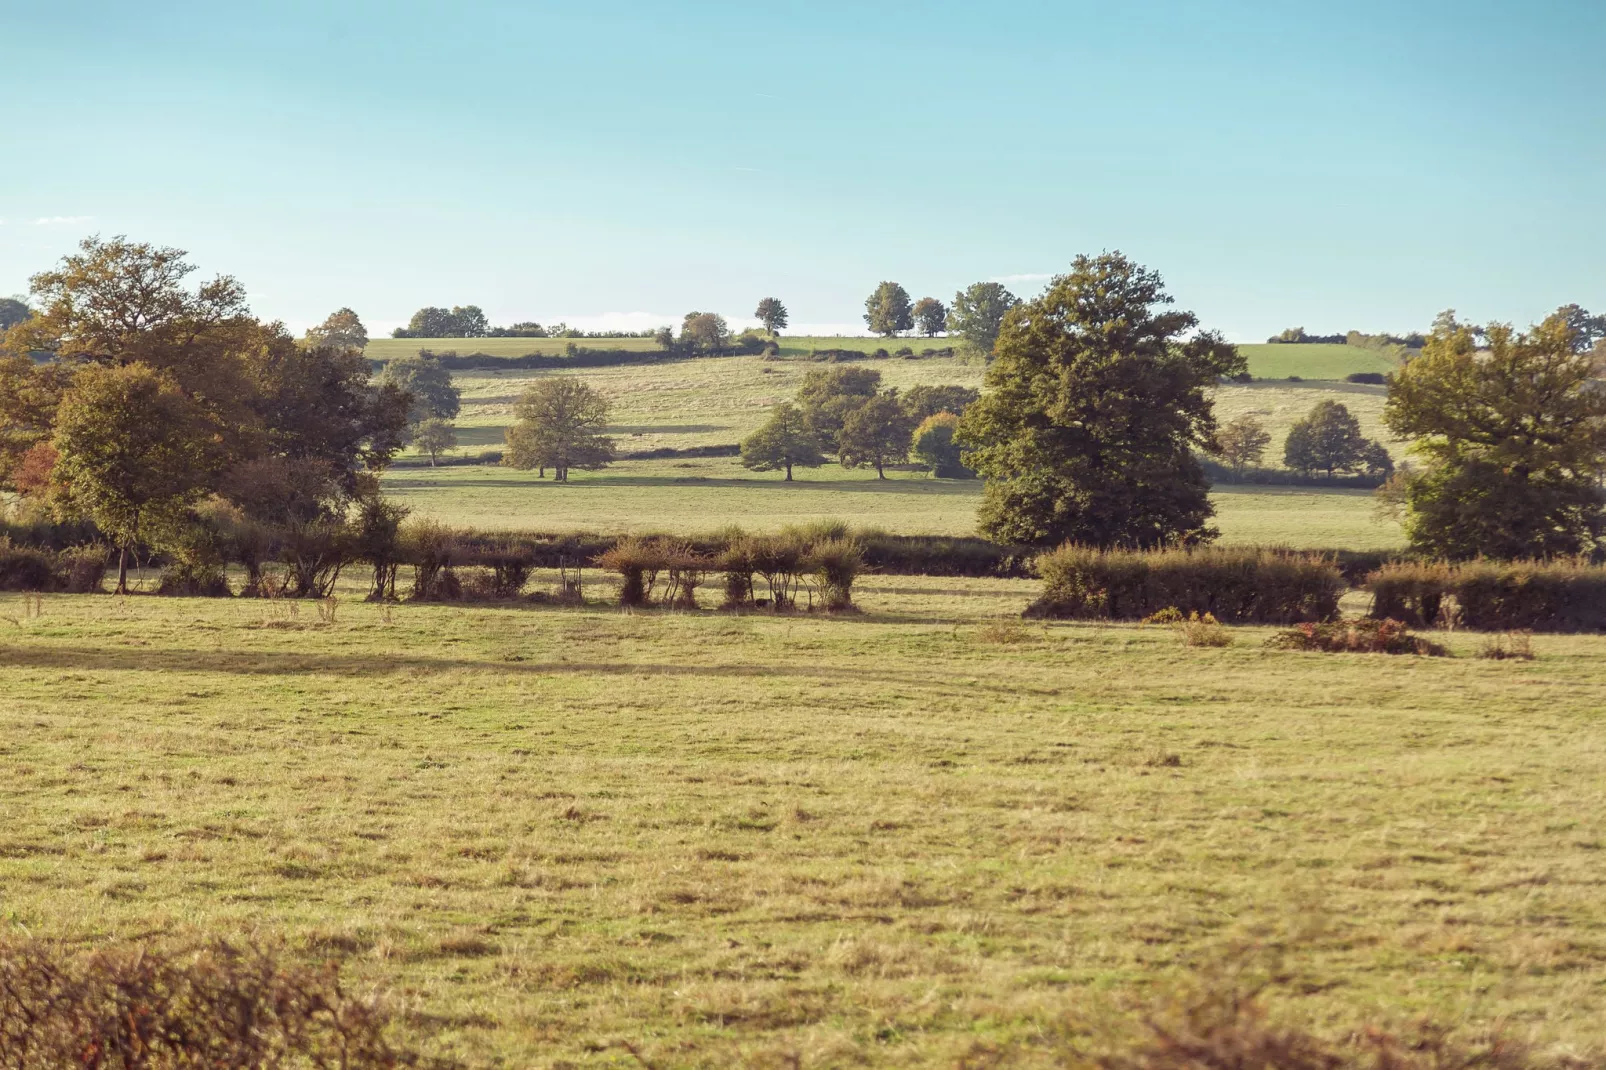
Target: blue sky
1332	165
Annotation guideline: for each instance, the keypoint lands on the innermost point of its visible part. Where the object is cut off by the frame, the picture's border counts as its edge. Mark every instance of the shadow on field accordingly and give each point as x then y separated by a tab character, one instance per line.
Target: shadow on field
961	487
254	663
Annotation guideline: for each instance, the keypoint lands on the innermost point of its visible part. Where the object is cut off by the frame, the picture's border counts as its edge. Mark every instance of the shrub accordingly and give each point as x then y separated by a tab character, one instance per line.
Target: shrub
780	559
315	553
1235	586
1372	378
1540	596
26	568
1202	631
736	561
219	1007
82	569
685	568
431	547
637	562
1363	635
836	564
193	579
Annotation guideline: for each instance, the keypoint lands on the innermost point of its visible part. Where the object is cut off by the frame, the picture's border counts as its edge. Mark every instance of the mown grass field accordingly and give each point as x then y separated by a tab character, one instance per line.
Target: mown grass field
703	495
890	839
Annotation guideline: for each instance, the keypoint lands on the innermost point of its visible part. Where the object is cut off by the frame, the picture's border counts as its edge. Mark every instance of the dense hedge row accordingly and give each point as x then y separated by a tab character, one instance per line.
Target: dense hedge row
74	570
1236	586
584	357
1555	596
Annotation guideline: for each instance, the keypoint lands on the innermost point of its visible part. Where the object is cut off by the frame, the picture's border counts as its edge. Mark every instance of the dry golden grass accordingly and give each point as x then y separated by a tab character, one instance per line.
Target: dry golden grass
884	839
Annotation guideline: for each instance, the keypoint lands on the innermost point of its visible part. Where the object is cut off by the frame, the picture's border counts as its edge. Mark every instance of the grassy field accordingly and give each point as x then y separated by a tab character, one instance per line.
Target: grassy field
1265	361
703	495
889	840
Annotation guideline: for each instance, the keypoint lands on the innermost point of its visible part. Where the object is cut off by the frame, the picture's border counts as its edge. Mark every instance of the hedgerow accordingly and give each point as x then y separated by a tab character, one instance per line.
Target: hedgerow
1540	596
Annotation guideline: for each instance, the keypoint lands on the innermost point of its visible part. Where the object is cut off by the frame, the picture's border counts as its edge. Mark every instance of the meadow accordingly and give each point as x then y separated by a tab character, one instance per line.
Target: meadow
905	837
719	401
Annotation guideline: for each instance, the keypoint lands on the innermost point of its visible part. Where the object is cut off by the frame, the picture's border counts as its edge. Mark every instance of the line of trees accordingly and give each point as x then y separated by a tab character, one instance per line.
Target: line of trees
845	412
976	313
163	406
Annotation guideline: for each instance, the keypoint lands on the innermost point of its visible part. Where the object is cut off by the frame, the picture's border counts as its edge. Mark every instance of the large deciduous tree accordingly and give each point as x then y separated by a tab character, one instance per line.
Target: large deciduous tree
887	311
1514	439
977	313
1097	399
134	452
923	401
828	395
1242	442
1329	440
933	445
435	396
12	312
704	332
784	442
931	316
772	314
342	330
558	424
875	433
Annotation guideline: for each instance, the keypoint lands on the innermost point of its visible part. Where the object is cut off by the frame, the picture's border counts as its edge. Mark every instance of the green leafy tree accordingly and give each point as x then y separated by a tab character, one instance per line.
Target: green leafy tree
1243	442
888	311
12	312
1514	439
705	332
1329	440
876	433
1097	399
664	337
931	316
435	437
1375	459
828	395
558	424
772	314
469	322
1587	330
977	313
430	321
923	401
134	452
435	395
342	330
784	441
934	447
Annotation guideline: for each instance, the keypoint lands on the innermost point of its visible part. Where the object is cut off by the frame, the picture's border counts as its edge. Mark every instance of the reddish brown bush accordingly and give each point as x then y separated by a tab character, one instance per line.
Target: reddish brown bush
1363	635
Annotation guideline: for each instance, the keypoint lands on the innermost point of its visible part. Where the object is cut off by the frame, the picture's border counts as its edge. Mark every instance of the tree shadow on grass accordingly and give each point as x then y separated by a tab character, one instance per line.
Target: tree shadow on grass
293	663
937	487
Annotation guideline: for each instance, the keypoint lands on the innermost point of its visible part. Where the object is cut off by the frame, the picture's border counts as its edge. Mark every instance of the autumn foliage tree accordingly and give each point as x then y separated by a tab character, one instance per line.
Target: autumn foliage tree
1096	401
558	424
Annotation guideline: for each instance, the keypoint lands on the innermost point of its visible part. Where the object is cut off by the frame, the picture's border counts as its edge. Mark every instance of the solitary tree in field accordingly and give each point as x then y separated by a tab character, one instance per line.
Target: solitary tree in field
934	447
133	453
1097	398
784	441
772	314
1327	440
828	395
875	434
888	311
558	425
1243	442
977	313
931	316
435	437
342	330
1514	437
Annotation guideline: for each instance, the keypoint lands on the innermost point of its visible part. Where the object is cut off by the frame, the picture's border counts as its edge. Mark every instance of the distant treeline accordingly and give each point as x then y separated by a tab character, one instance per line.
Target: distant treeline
1297	336
902	353
578	356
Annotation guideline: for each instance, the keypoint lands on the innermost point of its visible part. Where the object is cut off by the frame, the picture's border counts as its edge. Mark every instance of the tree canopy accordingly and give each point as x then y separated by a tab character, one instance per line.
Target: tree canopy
558	424
977	313
12	312
705	332
931	316
785	441
1514	440
772	314
434	395
887	311
1098	396
342	330
1329	439
460	321
828	395
923	401
875	433
933	445
1242	442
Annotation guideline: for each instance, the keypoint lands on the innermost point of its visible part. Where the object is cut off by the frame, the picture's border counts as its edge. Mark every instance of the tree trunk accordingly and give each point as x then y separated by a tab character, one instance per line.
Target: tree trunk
880	472
789	471
122	571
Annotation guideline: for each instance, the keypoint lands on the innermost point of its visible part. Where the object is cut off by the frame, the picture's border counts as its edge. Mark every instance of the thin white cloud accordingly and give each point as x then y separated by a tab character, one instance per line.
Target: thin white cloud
1030	276
61	220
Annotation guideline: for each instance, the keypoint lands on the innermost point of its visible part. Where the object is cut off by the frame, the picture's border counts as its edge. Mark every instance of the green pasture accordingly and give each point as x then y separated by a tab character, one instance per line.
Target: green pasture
705	494
903	838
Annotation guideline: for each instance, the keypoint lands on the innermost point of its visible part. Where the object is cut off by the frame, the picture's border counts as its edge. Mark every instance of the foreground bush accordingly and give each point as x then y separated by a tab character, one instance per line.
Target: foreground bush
75	570
1247	586
1539	596
1364	635
220	1007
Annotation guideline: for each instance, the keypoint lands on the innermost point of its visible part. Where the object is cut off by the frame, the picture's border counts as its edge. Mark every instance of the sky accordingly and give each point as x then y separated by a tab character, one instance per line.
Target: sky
614	163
